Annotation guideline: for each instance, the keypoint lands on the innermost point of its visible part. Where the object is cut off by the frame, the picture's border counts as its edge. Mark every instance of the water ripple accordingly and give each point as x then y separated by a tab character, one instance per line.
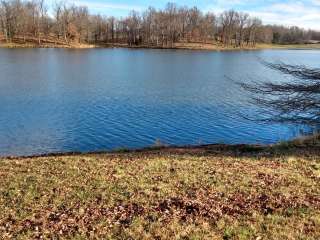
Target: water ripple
101	100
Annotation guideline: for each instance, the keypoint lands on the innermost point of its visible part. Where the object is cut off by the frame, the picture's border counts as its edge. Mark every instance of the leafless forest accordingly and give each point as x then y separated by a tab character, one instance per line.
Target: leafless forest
63	23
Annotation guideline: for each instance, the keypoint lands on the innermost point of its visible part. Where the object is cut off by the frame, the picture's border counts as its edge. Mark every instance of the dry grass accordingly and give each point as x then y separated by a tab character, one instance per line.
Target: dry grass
45	45
176	194
259	46
183	45
221	47
288	46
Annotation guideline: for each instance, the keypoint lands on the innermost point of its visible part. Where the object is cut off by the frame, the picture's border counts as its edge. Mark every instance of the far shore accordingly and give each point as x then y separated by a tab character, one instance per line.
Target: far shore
183	46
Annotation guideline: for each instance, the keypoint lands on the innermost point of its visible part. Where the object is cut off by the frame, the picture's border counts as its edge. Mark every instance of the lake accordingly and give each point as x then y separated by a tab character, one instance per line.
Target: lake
58	100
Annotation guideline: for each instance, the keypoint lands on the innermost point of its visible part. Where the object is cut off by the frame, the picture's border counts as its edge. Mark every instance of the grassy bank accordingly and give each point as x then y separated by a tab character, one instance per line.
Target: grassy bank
209	192
219	47
186	46
46	45
288	46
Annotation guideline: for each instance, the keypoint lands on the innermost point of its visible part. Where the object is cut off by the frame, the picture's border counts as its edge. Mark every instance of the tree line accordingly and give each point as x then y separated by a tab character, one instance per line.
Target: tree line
29	20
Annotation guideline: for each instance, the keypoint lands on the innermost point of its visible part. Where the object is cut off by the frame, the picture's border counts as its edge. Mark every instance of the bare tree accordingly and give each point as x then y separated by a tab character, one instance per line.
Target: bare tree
228	22
253	27
208	27
296	100
8	19
133	28
242	23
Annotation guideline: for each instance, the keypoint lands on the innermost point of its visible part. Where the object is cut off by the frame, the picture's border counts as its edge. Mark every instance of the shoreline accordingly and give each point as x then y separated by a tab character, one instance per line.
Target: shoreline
31	45
151	149
308	143
177	46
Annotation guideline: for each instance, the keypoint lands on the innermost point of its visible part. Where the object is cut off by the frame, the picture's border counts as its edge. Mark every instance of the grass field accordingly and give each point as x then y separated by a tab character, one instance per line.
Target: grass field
195	193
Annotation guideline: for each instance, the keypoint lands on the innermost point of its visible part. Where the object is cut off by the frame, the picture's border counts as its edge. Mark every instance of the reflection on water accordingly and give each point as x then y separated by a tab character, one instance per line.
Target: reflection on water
55	100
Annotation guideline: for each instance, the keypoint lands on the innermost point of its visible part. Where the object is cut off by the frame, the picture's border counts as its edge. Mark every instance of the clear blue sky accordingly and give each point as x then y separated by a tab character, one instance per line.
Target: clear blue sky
303	13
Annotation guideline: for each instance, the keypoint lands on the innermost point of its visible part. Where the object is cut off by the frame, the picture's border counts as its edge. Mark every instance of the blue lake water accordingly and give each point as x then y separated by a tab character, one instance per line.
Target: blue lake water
57	100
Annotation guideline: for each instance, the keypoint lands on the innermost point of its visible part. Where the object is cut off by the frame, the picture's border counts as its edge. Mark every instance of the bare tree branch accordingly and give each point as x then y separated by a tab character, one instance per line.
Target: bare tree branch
294	101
